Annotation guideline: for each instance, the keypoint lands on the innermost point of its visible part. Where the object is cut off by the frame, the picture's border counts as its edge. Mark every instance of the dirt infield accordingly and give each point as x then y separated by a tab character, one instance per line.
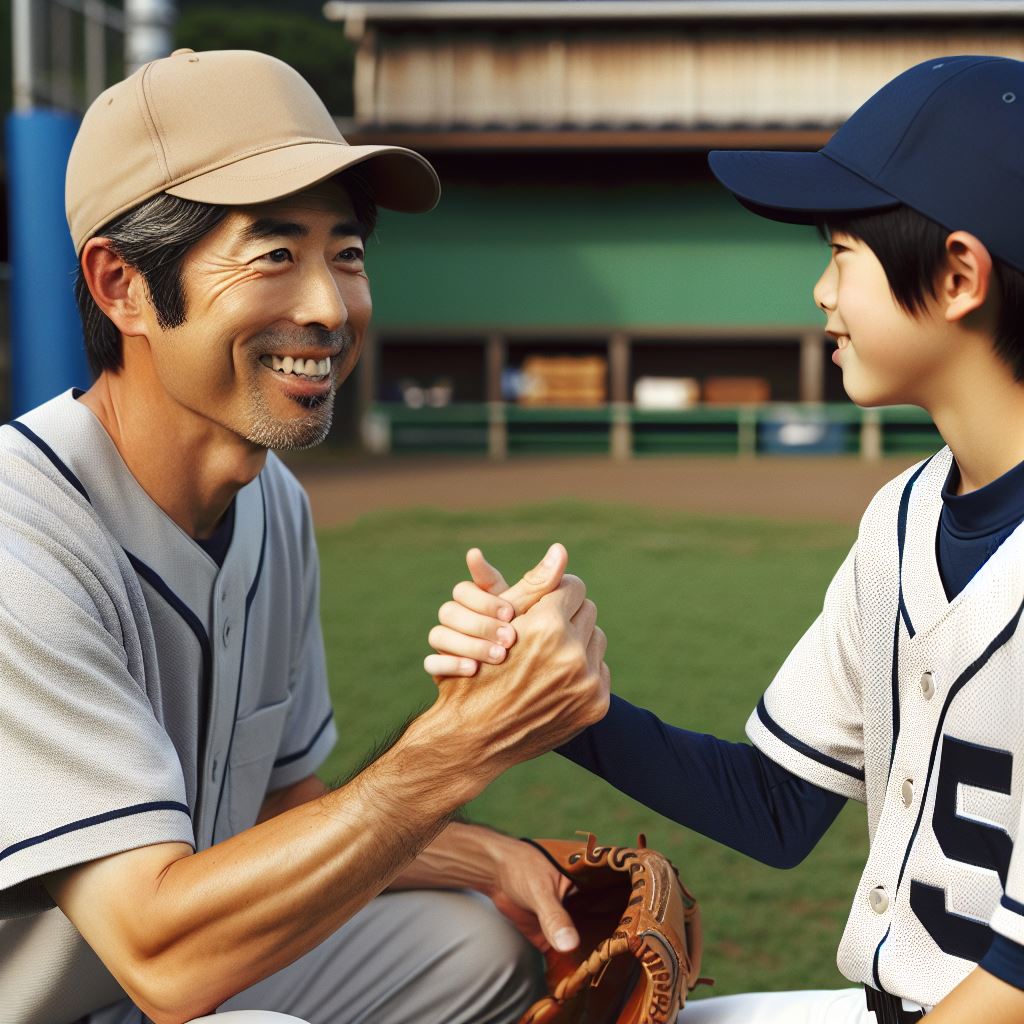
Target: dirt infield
342	489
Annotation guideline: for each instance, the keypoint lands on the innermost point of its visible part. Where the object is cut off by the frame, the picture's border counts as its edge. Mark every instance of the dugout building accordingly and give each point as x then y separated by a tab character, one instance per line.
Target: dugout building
584	284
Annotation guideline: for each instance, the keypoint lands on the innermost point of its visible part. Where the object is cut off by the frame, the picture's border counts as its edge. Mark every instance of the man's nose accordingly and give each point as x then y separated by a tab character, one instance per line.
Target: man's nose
319	302
825	290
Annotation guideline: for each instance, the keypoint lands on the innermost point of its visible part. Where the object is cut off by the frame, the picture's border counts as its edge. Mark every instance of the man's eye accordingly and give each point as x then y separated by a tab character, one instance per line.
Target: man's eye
279	256
351	254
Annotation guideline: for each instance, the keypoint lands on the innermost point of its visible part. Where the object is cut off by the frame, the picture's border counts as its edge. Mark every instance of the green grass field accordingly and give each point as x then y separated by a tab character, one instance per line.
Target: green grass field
699	614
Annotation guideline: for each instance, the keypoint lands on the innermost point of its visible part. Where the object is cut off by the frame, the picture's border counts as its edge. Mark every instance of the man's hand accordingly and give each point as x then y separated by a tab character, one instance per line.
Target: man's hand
523	884
476	625
529	891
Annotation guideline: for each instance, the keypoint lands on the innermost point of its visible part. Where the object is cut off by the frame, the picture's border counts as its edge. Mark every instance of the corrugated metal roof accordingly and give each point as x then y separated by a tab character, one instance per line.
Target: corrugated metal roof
569	78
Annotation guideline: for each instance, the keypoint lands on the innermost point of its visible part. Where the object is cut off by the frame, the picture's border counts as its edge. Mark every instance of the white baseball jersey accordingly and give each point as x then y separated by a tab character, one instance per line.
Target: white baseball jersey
912	703
146	694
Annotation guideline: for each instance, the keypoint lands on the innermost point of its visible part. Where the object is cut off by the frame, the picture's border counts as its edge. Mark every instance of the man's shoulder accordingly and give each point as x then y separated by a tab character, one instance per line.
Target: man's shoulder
34	483
48	526
26	456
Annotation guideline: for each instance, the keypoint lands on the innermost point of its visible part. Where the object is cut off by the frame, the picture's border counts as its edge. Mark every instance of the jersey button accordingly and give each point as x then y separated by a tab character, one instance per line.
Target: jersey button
907	792
225	633
878	900
927	685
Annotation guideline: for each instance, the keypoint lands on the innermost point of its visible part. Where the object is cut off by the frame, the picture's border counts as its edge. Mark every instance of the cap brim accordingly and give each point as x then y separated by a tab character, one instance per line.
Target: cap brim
400	179
796	188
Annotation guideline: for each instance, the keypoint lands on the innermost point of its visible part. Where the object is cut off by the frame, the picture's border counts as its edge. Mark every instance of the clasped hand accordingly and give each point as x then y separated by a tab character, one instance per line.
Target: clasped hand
553	685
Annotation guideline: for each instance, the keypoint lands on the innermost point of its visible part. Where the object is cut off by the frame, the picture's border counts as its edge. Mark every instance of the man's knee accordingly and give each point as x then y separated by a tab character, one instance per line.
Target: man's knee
491	967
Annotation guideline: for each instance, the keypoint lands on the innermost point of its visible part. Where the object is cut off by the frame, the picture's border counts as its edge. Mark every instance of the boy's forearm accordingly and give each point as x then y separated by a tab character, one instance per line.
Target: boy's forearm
981	998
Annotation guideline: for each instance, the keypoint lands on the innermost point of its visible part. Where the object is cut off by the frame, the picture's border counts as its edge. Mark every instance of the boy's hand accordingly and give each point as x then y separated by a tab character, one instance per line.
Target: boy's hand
476	625
555	686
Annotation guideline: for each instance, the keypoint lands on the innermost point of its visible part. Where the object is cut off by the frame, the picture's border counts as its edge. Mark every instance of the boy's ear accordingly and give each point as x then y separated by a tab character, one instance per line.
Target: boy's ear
117	287
964	284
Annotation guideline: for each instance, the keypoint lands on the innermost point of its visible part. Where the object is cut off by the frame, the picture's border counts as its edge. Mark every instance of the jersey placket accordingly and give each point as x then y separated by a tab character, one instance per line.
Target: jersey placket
228	615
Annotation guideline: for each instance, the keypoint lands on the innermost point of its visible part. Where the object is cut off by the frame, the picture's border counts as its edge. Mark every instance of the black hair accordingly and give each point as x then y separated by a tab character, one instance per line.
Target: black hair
154	237
912	251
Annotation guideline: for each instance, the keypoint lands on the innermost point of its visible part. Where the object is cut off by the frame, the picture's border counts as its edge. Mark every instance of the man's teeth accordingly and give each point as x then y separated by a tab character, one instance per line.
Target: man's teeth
302	367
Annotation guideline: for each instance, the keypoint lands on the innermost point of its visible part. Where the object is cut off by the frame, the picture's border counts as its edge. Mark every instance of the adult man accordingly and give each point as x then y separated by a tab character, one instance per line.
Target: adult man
164	702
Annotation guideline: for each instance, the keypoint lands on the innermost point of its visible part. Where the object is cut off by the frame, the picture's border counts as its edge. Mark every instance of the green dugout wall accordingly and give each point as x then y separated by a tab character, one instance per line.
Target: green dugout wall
660	278
579	256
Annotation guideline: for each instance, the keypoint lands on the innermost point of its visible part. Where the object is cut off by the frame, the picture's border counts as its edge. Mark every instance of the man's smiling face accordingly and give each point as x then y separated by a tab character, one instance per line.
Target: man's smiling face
277	304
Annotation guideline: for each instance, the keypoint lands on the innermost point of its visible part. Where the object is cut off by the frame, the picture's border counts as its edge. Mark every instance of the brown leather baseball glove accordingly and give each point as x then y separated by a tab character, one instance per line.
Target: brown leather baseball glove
640	937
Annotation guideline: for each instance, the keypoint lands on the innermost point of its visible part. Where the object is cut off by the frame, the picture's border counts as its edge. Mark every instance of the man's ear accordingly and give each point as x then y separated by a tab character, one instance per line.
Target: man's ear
117	288
965	282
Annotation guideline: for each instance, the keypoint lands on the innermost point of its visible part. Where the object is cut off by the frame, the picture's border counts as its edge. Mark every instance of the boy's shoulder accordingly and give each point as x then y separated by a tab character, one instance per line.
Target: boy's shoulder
889	512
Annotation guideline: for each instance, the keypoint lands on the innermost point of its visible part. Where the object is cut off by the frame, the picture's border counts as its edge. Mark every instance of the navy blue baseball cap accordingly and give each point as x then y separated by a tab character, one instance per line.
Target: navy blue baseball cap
945	138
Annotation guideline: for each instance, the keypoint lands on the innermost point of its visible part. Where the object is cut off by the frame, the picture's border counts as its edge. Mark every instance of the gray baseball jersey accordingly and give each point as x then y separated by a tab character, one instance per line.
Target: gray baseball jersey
913	703
148	695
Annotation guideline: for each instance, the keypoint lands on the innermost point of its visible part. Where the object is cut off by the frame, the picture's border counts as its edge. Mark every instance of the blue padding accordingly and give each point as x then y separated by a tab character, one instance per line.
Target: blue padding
47	356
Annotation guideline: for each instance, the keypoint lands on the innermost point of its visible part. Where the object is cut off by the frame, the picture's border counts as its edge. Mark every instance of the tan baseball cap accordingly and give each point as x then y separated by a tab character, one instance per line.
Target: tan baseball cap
231	127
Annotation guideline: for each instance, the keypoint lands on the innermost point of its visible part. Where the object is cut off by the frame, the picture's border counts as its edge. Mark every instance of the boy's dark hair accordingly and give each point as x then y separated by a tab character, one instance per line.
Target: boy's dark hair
154	238
912	251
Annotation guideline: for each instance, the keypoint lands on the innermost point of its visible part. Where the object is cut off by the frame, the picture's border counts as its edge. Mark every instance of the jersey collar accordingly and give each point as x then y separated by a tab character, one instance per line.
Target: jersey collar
923	592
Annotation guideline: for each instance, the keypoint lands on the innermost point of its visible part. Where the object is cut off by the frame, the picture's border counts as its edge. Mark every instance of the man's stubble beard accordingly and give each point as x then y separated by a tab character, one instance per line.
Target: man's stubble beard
268	431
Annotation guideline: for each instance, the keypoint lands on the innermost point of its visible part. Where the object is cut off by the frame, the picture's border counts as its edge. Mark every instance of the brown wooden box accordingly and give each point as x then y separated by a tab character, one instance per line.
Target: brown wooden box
736	390
565	380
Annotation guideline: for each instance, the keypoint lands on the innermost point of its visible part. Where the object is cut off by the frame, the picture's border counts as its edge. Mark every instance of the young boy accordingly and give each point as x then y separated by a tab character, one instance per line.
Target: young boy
906	693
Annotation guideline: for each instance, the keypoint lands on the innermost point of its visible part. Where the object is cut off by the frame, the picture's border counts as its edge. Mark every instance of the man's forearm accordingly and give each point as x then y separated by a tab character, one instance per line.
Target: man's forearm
216	922
463	856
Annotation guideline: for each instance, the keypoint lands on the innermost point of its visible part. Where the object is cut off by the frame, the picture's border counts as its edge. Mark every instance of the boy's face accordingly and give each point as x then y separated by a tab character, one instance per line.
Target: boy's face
887	356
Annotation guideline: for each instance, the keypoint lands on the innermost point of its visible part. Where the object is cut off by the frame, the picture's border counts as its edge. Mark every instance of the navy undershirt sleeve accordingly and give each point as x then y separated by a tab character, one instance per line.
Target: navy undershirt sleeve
1005	959
729	792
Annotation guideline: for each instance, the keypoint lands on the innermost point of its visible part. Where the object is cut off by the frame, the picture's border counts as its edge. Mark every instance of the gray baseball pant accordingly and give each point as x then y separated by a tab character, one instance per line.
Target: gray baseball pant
415	957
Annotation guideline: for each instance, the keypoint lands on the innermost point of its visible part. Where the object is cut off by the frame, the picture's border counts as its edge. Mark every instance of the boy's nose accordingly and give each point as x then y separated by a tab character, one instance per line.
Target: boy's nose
825	290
